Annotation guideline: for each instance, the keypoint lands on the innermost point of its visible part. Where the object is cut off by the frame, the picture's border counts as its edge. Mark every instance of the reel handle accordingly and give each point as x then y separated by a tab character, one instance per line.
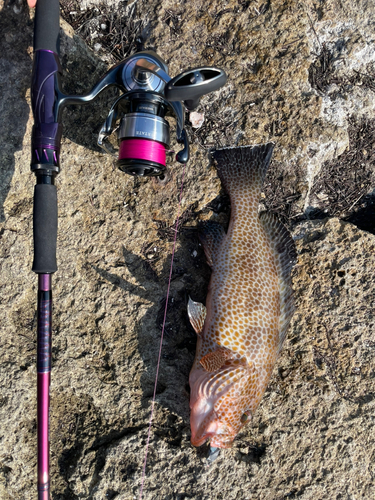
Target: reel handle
191	85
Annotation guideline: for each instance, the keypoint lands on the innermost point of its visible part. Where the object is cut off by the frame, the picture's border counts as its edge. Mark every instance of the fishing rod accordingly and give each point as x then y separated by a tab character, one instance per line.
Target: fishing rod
45	150
149	95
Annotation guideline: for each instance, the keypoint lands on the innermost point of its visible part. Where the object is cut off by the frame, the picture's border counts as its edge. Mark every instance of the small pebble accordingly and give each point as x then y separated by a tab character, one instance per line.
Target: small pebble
97	47
196	119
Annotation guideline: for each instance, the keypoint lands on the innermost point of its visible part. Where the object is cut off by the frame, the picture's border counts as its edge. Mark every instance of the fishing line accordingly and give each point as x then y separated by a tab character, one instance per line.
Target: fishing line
162	335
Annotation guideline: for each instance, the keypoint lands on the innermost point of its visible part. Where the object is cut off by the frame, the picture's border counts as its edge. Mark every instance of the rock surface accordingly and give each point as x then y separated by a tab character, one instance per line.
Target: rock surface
300	74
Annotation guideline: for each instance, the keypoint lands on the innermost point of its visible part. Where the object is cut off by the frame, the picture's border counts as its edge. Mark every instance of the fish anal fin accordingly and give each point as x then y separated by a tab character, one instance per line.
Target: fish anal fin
211	235
197	314
285	254
214	360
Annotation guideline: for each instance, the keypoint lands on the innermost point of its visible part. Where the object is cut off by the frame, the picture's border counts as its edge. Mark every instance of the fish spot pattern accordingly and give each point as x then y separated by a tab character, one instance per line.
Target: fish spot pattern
249	304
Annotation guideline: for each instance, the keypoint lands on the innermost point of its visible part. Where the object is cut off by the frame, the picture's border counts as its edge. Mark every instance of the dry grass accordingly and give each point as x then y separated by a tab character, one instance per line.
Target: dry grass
114	32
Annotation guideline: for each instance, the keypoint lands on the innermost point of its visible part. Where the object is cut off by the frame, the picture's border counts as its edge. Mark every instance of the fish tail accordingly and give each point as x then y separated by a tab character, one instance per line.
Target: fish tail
243	167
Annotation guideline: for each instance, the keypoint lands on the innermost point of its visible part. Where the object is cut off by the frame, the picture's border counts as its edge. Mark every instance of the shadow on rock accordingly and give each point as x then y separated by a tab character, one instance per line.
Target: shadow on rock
364	217
82	433
15	77
81	71
179	338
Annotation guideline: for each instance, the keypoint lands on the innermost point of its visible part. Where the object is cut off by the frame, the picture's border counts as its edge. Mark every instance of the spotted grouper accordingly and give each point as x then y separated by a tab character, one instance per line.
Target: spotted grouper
248	307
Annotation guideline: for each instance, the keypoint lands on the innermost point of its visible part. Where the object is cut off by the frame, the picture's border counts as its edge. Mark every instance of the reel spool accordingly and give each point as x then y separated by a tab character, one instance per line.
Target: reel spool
143	134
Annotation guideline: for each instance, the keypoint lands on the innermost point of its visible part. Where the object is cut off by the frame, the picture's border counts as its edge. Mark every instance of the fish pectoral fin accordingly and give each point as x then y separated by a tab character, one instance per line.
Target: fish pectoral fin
214	360
197	314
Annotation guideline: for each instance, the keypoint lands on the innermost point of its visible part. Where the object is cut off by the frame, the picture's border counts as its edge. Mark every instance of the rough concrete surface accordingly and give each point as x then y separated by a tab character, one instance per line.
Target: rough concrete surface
300	74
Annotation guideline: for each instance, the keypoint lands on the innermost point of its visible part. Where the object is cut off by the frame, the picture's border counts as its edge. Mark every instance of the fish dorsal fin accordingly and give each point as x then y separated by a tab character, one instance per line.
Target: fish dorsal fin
211	235
197	314
285	254
214	360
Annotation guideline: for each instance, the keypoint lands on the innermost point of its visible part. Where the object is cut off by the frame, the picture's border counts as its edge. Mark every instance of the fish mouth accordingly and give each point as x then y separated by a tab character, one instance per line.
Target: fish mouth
220	436
199	442
202	416
205	424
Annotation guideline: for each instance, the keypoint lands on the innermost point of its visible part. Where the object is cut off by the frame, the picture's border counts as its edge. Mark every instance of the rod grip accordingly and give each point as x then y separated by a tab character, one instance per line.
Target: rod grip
45	228
47	25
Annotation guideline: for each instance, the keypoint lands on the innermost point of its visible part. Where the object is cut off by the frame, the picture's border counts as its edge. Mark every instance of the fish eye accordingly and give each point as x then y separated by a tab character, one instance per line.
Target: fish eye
244	418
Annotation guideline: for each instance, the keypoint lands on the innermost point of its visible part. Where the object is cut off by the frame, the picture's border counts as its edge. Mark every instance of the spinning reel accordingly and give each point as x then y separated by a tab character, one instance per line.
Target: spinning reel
149	95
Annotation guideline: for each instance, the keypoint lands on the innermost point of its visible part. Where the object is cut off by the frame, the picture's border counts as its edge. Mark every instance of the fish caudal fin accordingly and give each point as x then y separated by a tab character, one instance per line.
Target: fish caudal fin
211	235
197	314
244	166
284	250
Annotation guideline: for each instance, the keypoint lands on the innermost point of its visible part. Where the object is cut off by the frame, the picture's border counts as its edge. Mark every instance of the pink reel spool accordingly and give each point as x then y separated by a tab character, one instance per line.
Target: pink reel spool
142	157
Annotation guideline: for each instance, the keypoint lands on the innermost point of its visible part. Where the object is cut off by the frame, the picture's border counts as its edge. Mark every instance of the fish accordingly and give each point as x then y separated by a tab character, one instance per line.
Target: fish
249	303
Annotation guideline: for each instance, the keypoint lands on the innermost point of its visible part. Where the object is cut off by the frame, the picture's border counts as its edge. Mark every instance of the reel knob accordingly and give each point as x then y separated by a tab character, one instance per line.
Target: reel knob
191	85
